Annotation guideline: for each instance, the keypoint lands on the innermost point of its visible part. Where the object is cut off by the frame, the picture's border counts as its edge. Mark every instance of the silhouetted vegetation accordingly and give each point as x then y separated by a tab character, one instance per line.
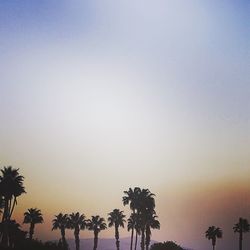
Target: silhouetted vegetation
142	204
33	216
134	224
61	222
241	227
38	245
117	219
168	245
96	224
142	220
77	222
213	233
11	187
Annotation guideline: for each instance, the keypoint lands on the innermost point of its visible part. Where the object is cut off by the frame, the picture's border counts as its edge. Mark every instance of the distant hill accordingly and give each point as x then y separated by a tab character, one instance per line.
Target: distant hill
103	244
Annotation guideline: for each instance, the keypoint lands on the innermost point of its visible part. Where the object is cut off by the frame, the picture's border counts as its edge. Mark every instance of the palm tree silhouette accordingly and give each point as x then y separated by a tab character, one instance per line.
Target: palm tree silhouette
61	222
146	206
213	233
116	218
141	202
77	222
131	197
96	224
134	223
11	186
151	222
241	227
32	216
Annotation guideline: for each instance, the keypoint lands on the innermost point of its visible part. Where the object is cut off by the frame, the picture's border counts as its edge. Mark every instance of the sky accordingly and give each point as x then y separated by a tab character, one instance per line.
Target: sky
99	96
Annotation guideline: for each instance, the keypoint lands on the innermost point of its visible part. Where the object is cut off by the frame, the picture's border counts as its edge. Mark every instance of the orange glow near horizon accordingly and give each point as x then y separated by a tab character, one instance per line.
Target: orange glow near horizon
186	212
100	96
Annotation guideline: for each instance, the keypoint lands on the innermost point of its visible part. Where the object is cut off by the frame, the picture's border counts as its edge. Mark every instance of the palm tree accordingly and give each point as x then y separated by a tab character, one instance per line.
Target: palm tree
61	222
11	186
151	222
32	216
241	227
131	197
134	223
146	206
116	218
77	222
213	233
141	202
96	224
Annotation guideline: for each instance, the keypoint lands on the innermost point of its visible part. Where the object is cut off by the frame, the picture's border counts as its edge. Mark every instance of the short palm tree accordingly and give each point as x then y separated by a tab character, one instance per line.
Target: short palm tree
61	222
213	233
116	218
96	224
77	222
32	216
241	227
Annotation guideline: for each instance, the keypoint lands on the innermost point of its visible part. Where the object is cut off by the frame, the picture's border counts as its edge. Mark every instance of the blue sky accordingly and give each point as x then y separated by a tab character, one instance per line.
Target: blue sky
119	86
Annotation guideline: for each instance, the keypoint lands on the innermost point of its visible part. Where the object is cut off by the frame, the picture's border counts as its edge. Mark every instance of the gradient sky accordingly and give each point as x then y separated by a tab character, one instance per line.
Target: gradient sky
99	96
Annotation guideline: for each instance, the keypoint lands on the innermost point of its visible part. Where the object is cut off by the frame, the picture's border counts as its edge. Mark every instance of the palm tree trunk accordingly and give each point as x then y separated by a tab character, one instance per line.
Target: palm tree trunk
132	237
77	240
147	237
5	211
143	238
240	240
213	247
95	240
64	242
4	235
117	238
32	228
136	237
13	206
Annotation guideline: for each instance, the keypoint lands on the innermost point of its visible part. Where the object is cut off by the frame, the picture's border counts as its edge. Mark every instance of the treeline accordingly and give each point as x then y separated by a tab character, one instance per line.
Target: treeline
141	221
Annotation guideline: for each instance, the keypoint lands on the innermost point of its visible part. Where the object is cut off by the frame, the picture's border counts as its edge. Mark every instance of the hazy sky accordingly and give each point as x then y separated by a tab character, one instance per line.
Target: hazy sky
99	96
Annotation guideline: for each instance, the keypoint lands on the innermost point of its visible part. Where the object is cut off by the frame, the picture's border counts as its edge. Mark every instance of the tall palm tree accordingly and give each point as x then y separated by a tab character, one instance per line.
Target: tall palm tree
96	224
151	222
116	218
213	233
132	197
141	202
61	222
32	216
11	186
134	223
77	222
241	227
146	206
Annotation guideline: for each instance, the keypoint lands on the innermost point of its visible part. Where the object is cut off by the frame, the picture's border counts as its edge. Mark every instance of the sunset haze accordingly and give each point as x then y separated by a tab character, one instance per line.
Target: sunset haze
100	96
